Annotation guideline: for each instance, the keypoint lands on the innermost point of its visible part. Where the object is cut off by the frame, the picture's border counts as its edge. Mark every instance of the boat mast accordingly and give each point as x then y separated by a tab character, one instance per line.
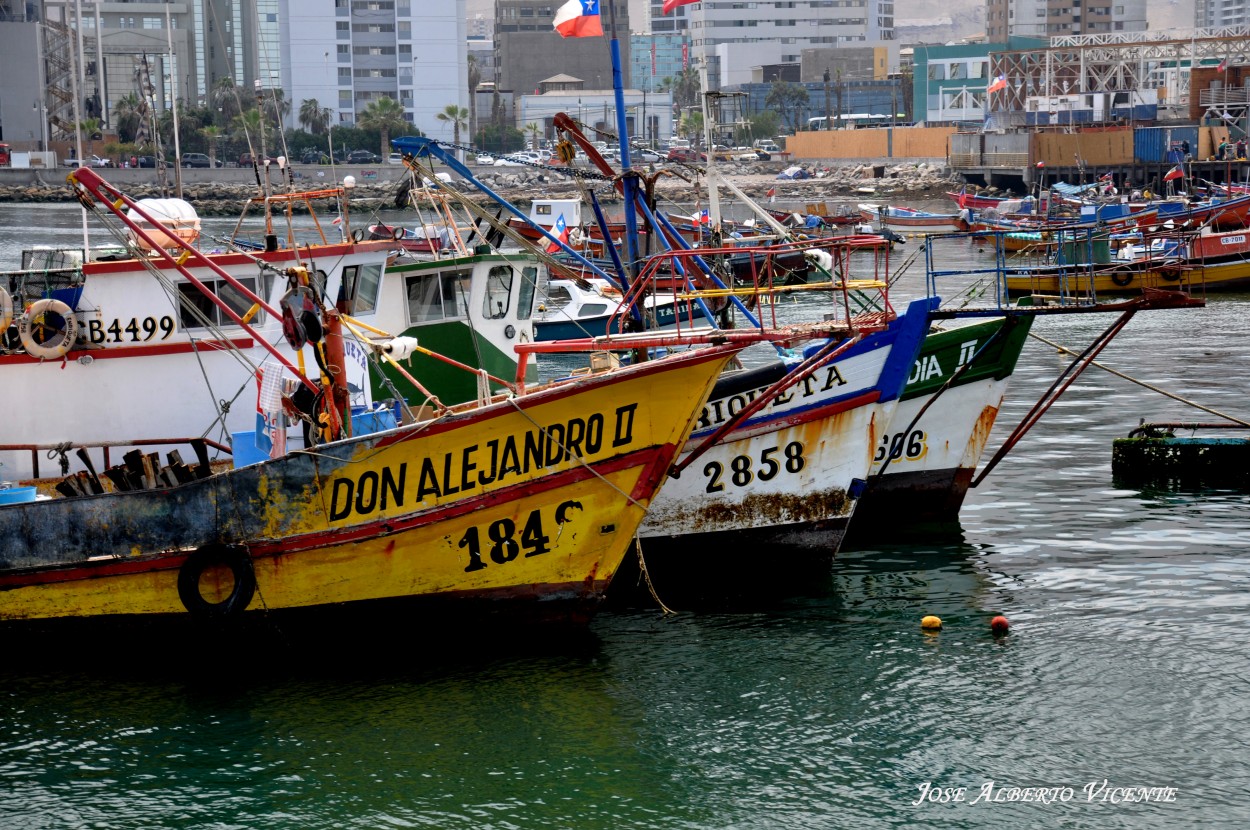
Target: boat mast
627	178
173	99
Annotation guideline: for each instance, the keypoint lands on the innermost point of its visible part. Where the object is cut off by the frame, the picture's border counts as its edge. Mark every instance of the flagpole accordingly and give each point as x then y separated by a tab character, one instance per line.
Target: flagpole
628	182
713	190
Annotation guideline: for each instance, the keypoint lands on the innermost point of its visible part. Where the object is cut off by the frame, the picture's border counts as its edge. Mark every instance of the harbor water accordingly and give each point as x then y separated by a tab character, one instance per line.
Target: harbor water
1118	700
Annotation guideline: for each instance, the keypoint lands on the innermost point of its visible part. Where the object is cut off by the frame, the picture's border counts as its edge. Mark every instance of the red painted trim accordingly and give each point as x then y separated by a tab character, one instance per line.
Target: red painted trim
152	350
804	417
543	397
277	258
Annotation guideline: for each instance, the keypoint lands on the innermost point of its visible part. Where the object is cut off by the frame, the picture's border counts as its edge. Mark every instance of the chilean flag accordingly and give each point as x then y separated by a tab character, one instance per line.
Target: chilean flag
579	18
669	5
999	83
561	232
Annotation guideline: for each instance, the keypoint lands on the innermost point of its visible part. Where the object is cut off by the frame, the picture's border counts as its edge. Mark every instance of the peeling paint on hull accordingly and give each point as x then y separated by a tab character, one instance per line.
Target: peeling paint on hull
418	512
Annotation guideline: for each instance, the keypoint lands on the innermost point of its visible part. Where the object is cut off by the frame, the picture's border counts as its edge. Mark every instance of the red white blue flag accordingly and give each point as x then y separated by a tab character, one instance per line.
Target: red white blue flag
999	83
561	232
579	18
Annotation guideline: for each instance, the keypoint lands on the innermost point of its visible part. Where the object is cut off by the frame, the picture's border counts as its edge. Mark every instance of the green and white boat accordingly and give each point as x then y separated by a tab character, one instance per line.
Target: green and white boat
931	459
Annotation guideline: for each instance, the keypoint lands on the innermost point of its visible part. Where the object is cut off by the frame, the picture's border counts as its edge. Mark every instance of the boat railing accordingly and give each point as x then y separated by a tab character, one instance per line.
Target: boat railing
1066	270
60	453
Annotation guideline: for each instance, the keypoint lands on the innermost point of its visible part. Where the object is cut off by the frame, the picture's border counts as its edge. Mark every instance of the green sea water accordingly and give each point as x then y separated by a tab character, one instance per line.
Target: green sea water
817	703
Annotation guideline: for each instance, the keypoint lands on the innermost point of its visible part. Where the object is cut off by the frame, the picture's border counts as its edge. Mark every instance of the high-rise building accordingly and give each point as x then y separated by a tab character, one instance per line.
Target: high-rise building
345	54
529	50
1053	18
1209	14
656	56
739	37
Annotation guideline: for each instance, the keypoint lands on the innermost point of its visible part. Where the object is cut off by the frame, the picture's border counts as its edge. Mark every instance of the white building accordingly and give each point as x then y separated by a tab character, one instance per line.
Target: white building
648	115
348	53
741	35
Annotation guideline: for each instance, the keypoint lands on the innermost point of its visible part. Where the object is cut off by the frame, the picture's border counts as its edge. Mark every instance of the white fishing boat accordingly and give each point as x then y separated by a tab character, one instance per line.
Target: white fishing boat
95	327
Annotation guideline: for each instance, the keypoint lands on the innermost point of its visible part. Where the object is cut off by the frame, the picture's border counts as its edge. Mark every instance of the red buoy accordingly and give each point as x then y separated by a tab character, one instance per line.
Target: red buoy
999	625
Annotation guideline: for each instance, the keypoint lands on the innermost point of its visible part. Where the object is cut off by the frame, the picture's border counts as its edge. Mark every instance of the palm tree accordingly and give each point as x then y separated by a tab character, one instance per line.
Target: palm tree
475	78
251	126
685	87
457	116
384	114
275	106
89	127
225	99
533	129
127	115
313	117
211	133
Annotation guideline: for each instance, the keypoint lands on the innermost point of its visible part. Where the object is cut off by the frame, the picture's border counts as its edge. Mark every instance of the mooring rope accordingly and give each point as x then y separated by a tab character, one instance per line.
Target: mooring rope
1142	383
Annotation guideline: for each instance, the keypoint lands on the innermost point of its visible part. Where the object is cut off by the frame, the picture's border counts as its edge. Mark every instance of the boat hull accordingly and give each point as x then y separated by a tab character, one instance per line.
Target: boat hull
481	506
791	473
935	443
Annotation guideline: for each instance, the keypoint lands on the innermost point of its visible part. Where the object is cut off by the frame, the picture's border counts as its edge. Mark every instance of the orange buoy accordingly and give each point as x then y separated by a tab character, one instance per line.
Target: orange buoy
999	625
931	623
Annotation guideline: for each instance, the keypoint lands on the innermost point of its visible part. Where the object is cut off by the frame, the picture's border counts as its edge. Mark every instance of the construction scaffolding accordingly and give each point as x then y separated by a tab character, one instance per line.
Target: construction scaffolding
1112	62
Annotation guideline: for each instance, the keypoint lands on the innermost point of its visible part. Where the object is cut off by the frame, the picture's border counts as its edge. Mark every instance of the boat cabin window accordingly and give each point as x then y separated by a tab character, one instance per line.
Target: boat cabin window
557	297
433	297
542	210
529	285
498	292
361	283
198	311
592	310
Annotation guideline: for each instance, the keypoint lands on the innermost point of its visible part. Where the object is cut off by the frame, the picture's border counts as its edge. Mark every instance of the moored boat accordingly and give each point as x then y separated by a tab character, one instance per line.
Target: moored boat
898	218
922	465
522	504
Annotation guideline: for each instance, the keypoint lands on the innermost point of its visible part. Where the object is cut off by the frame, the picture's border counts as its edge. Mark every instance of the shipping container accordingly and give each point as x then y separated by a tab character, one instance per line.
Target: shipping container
1152	145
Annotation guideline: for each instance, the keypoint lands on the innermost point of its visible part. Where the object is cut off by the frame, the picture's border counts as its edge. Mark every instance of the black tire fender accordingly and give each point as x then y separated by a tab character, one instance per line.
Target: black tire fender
234	557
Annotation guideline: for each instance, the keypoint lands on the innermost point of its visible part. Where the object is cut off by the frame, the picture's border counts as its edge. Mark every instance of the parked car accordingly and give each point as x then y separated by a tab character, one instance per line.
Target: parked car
91	161
198	160
685	154
150	161
745	154
245	160
363	157
395	158
315	157
484	158
644	155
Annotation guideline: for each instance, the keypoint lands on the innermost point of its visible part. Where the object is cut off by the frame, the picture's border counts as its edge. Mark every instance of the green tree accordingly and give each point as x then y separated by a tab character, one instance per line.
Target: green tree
788	100
211	133
533	129
226	101
455	115
90	128
761	125
314	117
386	116
475	78
691	125
497	139
127	115
685	87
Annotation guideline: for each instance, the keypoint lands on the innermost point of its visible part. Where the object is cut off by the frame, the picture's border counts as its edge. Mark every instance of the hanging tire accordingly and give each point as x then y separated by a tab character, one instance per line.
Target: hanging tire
6	309
358	235
234	557
48	329
1121	278
398	235
1170	274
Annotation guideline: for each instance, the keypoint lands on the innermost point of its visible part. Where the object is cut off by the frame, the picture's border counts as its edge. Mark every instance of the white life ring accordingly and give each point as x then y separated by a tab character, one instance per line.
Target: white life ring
6	310
36	319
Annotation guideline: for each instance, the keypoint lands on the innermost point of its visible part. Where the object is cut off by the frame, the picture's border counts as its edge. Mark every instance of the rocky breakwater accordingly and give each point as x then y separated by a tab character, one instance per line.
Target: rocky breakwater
673	181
